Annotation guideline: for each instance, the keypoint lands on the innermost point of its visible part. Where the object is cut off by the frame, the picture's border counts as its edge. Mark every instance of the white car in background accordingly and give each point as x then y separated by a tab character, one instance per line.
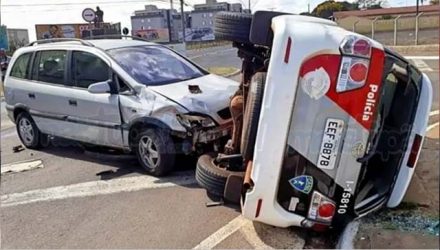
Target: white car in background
127	94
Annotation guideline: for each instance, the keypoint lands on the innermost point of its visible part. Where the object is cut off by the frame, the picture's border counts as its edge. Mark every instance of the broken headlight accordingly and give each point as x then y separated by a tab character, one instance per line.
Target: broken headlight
190	121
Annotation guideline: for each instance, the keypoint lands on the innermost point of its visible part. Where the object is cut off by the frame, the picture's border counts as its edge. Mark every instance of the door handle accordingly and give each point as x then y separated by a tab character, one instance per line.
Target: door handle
31	95
72	102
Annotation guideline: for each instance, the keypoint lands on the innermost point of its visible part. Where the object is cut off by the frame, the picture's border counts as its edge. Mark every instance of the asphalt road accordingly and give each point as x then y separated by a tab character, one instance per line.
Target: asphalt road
81	199
225	56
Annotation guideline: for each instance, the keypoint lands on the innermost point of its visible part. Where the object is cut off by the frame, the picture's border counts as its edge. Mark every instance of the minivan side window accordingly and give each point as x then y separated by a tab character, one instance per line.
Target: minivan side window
50	66
88	69
20	68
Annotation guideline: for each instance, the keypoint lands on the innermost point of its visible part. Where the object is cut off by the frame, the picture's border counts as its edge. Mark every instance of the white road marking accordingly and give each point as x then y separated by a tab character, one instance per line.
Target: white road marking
432	126
21	166
262	236
94	188
420	64
435	112
422	57
252	237
221	234
6	124
7	135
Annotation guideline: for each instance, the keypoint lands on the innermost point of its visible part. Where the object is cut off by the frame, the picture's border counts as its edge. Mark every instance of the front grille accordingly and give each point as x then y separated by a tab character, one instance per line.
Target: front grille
224	113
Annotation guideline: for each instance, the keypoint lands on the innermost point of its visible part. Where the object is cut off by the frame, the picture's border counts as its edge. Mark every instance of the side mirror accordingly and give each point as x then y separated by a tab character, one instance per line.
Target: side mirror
99	88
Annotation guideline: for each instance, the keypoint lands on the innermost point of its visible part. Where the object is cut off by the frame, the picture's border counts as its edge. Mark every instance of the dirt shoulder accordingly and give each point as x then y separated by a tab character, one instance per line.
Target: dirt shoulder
415	223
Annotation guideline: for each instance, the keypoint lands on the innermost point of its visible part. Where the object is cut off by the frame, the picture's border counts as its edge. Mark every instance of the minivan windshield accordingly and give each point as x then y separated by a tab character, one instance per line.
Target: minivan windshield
154	65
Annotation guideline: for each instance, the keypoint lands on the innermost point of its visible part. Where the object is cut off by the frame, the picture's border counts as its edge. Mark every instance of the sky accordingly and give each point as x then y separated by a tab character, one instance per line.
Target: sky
25	14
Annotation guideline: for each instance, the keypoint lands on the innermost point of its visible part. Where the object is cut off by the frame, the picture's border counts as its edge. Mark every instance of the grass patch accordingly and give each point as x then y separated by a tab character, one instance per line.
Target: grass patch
408	206
222	71
389	225
205	44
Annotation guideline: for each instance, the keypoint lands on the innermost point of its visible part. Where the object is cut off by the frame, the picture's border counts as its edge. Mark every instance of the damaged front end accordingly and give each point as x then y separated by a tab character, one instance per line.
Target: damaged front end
204	132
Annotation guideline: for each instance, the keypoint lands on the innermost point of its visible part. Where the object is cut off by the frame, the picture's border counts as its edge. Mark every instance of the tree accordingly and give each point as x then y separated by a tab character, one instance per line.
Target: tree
350	6
433	2
371	4
326	8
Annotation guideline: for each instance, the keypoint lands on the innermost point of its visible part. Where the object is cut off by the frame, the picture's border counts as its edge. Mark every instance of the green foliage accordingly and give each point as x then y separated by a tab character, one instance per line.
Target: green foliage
350	6
326	8
371	4
433	2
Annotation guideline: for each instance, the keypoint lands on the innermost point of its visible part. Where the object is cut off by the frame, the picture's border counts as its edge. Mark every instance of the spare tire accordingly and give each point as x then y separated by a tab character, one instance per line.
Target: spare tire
233	26
212	177
252	115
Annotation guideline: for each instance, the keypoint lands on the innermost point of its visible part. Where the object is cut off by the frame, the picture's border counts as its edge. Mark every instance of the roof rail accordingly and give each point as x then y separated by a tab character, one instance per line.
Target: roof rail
55	40
116	36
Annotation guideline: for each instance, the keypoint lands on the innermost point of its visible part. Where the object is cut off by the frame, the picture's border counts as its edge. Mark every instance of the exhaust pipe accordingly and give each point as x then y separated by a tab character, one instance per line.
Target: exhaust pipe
248	183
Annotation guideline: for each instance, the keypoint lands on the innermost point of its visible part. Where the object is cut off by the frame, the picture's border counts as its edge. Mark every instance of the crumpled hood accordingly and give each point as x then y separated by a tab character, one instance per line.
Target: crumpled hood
215	95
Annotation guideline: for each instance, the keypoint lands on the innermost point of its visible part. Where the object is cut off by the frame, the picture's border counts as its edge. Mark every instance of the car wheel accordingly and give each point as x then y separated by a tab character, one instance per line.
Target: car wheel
155	151
212	177
29	134
252	115
232	26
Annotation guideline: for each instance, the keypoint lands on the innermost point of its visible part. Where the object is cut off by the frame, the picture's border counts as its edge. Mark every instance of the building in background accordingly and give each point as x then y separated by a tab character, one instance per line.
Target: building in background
203	15
164	25
427	10
152	24
394	26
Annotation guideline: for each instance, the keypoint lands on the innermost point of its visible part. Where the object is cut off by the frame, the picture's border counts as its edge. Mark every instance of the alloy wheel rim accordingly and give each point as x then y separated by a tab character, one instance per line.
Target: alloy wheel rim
26	131
148	152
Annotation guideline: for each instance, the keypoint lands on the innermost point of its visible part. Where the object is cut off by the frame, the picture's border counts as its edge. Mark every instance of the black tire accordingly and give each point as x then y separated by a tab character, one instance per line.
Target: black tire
233	26
37	139
162	144
252	115
212	177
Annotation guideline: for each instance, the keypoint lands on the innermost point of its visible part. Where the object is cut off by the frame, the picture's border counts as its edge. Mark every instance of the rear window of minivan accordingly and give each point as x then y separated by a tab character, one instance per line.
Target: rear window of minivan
21	66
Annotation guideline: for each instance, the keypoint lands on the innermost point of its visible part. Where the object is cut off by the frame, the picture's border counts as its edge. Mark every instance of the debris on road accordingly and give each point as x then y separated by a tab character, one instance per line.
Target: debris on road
215	203
21	166
406	220
18	148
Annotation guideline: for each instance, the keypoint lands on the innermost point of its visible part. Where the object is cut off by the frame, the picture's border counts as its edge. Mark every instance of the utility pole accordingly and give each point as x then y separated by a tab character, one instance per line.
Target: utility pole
183	21
249	6
417	8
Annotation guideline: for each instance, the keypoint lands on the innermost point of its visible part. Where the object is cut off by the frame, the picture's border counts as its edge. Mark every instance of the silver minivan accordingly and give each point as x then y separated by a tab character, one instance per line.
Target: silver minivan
127	94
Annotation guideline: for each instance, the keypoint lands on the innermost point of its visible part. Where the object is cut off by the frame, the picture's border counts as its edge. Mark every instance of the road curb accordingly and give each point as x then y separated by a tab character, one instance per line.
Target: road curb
346	241
233	73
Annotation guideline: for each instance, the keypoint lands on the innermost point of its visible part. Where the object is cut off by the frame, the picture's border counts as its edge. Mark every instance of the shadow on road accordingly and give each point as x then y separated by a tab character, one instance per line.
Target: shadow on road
123	163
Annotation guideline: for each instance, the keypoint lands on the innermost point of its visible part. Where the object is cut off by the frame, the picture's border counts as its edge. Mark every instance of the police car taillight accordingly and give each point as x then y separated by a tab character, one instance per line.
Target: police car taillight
353	73
356	46
321	208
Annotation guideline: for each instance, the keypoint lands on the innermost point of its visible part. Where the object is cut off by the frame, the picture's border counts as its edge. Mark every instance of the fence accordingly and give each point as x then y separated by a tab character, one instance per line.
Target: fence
399	30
